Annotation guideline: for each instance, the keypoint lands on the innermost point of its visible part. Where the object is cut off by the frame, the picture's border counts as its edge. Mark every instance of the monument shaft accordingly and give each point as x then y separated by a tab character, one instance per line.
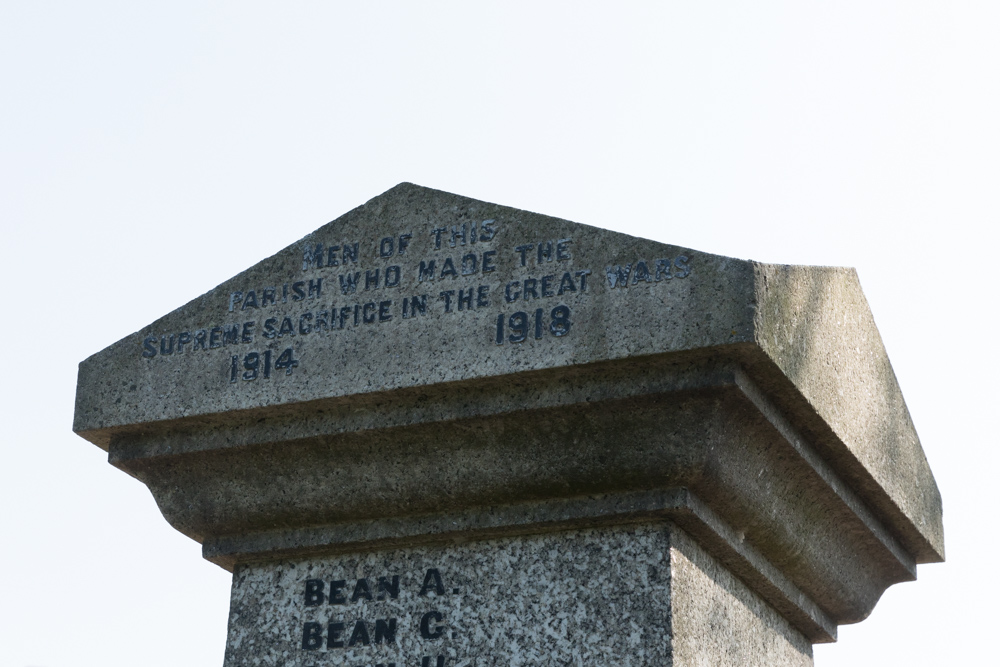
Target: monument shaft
625	595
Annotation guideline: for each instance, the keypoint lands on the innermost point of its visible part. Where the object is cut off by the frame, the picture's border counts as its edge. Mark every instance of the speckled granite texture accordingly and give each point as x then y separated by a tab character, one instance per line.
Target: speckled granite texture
601	598
575	598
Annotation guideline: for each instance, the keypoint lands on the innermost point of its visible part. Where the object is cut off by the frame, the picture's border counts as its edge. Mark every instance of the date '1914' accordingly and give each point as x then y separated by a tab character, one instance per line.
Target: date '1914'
256	364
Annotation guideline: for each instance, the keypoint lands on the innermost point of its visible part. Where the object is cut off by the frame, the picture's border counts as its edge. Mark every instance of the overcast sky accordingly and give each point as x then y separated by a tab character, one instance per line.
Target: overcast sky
149	151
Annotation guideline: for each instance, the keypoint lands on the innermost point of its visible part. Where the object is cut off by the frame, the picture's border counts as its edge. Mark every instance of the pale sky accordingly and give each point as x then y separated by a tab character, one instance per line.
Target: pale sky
149	151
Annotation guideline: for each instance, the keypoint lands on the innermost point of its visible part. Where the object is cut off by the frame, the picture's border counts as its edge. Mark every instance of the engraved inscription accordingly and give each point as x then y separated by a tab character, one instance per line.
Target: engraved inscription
445	270
257	364
341	630
623	276
520	325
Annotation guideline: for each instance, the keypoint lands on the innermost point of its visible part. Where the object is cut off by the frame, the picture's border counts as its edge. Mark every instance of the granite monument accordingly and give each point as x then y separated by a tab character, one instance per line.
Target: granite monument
439	432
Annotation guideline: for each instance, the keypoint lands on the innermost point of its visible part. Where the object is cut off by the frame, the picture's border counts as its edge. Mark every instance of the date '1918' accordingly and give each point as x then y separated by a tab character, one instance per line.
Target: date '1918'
256	364
521	325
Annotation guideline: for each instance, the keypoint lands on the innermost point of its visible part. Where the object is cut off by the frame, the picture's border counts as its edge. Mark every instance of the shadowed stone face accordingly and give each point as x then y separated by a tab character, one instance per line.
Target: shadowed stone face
429	368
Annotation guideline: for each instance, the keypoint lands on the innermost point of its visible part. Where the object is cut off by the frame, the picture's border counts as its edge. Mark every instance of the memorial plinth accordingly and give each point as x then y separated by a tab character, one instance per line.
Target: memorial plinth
439	431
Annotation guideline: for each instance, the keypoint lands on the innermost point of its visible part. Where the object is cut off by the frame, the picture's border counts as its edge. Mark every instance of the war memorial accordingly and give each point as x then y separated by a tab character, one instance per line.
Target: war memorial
439	432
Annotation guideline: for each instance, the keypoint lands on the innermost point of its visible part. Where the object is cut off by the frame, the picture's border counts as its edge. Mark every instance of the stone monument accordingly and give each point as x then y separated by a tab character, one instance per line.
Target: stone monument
439	432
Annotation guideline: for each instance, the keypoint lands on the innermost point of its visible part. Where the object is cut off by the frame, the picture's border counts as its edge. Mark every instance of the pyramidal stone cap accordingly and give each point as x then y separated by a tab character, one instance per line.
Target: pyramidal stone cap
429	367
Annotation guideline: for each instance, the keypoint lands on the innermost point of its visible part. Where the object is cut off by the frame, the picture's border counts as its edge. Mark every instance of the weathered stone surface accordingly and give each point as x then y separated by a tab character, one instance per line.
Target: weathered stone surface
804	333
631	596
428	369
